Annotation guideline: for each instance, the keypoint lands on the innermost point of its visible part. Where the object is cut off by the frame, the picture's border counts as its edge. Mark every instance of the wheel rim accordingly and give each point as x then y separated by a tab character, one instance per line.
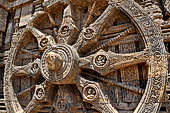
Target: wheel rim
151	99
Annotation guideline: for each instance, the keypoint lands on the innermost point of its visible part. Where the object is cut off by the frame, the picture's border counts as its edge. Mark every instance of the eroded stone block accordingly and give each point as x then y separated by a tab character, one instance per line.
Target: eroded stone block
3	19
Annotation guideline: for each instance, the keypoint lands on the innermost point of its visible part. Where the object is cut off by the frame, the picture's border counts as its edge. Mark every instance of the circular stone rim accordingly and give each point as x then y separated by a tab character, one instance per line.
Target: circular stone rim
9	94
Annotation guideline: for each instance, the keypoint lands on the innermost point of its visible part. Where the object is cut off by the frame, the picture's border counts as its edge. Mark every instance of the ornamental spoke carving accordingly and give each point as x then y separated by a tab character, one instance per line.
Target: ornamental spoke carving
44	40
38	97
79	56
31	69
90	35
68	30
106	62
93	93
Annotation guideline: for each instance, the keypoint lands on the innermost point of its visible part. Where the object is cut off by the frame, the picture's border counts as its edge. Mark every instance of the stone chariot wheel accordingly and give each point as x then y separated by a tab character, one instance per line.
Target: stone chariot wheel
89	56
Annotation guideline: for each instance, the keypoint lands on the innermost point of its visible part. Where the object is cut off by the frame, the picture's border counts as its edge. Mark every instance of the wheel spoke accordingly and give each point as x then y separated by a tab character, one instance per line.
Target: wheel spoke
44	40
51	19
68	30
90	17
90	35
34	54
112	82
25	91
107	62
38	97
133	38
94	93
128	40
31	69
125	60
114	40
115	29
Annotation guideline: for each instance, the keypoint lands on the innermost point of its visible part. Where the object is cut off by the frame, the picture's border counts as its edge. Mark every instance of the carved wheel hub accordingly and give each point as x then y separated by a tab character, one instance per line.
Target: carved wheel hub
59	64
92	63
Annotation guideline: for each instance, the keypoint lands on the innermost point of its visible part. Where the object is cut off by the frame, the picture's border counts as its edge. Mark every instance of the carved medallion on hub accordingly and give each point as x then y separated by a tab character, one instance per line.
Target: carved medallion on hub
89	33
64	31
100	60
35	67
39	92
90	92
44	42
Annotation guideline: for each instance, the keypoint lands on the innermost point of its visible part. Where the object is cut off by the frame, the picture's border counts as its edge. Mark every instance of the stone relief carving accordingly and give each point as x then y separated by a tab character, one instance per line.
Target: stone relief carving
73	61
167	6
